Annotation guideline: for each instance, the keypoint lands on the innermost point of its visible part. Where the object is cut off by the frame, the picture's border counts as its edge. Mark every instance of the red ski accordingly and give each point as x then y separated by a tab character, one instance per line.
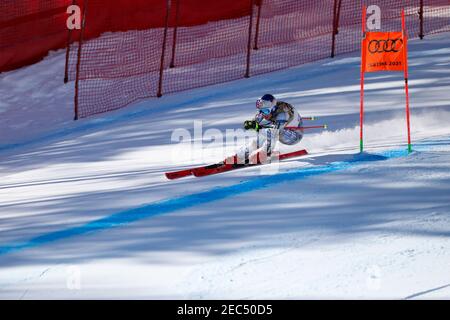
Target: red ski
221	167
294	154
179	174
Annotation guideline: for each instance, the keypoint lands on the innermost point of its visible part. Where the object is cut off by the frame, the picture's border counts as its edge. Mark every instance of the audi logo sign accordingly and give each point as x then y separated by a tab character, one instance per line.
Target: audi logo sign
383	51
388	45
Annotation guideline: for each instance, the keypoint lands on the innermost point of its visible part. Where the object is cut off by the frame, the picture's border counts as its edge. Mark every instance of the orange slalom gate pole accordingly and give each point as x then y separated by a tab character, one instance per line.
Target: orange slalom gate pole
363	63
405	67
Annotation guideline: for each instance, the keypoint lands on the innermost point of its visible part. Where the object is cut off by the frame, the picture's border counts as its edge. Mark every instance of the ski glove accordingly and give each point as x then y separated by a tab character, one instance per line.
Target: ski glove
251	125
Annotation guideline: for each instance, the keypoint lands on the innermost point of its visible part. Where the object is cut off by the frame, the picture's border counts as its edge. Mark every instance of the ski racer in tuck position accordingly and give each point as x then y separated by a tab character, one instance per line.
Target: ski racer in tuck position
273	123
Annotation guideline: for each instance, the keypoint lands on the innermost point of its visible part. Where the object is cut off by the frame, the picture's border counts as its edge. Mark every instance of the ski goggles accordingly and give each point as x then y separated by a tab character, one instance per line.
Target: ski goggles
263	104
265	111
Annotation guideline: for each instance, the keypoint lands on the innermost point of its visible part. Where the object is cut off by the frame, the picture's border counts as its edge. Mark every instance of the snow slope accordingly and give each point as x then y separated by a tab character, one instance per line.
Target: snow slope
88	200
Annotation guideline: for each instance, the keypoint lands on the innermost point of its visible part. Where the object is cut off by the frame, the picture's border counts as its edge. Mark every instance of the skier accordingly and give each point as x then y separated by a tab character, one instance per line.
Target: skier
275	121
270	124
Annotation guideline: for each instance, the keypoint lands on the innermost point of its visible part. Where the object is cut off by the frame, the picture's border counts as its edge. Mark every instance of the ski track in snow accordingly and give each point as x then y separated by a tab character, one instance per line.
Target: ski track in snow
322	226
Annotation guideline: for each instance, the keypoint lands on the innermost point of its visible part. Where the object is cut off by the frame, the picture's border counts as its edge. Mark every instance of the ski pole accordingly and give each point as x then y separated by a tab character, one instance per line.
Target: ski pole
309	118
307	127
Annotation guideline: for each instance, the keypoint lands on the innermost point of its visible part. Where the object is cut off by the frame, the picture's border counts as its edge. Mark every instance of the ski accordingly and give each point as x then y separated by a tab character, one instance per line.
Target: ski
222	167
179	174
294	154
187	172
190	171
217	168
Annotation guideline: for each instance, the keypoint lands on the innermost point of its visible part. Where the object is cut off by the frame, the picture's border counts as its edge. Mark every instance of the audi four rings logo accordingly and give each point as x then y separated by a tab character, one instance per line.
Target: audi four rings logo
388	45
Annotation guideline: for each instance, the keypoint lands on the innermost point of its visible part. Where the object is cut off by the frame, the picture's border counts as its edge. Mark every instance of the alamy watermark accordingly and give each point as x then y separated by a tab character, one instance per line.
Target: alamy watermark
197	145
73	22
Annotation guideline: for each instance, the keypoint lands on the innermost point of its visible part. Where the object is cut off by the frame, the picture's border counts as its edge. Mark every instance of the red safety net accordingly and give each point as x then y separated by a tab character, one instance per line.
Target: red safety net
291	33
30	28
121	67
206	54
206	42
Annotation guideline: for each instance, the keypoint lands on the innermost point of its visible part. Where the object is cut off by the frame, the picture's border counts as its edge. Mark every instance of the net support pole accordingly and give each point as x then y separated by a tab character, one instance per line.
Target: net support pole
66	67
163	49
421	35
405	68
80	46
363	62
333	36
338	16
69	40
258	22
175	32
249	43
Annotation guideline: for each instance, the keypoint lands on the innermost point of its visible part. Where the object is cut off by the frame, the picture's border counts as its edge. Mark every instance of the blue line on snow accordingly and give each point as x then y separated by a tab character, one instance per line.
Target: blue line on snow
174	204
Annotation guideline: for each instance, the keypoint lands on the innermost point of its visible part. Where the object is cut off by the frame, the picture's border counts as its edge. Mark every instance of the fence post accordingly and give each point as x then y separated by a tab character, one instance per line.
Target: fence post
334	31
338	15
175	31
258	21
69	39
80	45
421	35
163	51
249	44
